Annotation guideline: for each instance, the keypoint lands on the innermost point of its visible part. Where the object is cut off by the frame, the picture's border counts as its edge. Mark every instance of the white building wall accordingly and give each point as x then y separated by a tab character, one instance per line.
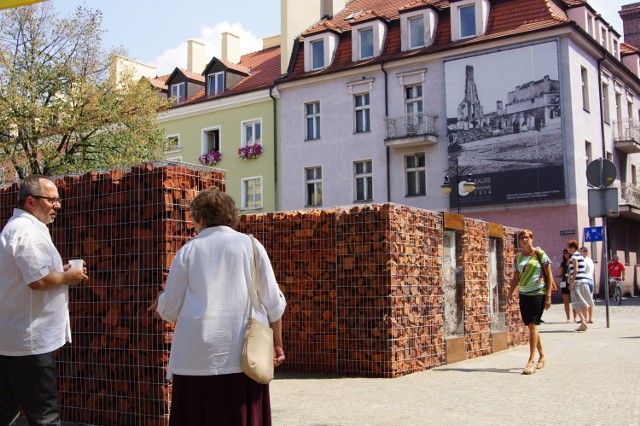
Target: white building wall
338	145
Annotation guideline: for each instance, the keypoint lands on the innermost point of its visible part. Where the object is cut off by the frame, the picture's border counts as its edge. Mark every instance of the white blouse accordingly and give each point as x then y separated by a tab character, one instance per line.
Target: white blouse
32	322
207	296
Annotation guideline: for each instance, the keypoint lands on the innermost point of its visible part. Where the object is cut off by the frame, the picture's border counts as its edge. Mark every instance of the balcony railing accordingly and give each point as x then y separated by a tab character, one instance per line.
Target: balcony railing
630	195
626	135
419	127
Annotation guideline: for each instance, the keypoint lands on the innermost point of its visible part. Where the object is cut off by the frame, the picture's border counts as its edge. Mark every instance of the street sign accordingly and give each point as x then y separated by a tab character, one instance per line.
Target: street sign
593	234
601	172
603	202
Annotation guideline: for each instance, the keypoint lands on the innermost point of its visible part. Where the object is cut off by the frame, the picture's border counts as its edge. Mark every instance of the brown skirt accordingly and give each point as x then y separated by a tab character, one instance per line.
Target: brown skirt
229	399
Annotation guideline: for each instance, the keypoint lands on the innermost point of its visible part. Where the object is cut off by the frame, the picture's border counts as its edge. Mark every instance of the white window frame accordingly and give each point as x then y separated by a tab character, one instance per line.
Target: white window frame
315	118
365	177
178	158
258	205
362	42
411	32
330	45
364	109
176	147
416	173
464	31
481	15
177	97
215	83
315	65
429	26
317	185
606	112
204	148
378	35
252	124
584	76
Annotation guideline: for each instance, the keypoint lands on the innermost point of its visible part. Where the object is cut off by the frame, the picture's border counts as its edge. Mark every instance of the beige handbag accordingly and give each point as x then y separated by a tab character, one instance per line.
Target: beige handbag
258	351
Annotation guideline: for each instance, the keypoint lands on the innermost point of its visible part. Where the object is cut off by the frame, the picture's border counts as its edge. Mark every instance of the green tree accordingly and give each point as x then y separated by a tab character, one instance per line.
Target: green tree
60	110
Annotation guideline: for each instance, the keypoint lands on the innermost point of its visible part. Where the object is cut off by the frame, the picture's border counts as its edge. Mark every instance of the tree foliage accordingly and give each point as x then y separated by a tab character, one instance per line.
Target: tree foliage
60	110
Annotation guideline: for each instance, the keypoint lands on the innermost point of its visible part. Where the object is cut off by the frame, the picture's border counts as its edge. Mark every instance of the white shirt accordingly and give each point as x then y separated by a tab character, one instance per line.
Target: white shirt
32	322
207	295
589	267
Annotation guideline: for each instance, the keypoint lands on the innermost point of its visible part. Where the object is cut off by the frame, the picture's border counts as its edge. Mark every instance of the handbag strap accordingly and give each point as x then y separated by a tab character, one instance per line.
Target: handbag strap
255	289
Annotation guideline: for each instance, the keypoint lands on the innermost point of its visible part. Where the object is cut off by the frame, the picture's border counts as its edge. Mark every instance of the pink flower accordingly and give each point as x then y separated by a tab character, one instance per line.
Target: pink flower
210	158
250	151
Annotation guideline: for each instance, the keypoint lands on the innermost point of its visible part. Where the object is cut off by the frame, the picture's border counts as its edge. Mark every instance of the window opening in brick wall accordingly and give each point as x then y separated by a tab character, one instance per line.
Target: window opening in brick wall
453	268
497	302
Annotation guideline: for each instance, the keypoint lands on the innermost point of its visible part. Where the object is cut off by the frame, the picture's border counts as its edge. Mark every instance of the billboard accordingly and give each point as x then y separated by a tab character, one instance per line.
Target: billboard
504	125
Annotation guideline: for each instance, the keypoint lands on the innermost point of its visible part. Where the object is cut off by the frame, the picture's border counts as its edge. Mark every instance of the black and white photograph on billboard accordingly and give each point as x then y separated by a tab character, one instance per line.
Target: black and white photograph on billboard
504	124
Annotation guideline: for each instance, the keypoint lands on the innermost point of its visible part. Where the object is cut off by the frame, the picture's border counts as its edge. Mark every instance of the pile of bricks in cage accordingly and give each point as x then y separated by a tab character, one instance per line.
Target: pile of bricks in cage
363	286
127	224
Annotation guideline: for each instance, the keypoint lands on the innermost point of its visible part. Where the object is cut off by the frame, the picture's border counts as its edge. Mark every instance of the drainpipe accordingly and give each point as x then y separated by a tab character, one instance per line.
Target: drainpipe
386	114
275	149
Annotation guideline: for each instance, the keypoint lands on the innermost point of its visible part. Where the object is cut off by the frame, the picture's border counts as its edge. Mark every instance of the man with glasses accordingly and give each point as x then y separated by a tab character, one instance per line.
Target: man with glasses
34	314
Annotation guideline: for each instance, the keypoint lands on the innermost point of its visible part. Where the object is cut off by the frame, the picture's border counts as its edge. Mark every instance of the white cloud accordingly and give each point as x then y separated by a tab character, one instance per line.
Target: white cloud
168	60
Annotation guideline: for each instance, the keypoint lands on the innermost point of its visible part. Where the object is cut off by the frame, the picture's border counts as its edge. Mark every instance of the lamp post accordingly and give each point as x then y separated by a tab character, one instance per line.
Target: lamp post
463	186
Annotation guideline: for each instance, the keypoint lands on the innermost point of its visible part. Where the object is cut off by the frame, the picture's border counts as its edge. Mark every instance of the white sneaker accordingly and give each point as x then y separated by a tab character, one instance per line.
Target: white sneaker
583	327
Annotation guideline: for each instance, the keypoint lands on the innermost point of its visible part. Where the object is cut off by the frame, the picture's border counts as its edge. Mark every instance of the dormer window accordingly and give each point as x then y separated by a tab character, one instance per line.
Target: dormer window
469	18
366	43
416	32
603	36
319	50
467	15
178	92
215	83
418	28
367	39
317	54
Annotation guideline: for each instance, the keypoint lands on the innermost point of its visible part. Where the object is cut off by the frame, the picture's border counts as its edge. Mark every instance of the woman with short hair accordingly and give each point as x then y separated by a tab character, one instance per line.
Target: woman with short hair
581	297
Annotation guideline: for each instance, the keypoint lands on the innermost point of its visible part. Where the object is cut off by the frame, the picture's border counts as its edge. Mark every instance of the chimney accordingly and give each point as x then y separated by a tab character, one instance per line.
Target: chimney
331	8
630	15
195	56
295	17
231	48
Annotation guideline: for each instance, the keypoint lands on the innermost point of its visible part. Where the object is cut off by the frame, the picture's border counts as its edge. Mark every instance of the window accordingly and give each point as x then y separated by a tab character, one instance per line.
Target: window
312	111
252	193
416	32
364	180
413	107
173	143
317	54
211	140
615	48
588	151
215	83
605	103
363	113
590	25
603	37
252	133
467	21
630	111
178	92
366	43
585	88
416	177
313	182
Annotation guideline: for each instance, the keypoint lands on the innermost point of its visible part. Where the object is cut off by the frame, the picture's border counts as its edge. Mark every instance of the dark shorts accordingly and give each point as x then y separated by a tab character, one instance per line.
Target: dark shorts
531	309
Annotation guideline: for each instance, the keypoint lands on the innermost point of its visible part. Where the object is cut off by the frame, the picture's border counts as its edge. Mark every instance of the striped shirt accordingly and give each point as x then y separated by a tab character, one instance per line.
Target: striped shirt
582	274
531	282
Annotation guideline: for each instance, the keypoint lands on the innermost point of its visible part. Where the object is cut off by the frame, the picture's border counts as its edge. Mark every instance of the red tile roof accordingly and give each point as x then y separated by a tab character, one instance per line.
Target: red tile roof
507	18
627	49
261	69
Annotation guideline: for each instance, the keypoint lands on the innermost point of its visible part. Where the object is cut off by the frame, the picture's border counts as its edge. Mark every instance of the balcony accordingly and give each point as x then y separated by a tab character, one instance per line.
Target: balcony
629	200
626	136
411	130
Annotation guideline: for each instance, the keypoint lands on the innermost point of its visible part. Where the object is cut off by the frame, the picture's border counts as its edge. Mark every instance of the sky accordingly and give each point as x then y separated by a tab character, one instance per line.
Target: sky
155	32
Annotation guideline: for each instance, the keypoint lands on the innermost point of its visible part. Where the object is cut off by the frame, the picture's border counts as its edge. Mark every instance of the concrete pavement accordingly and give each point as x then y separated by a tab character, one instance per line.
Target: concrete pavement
590	378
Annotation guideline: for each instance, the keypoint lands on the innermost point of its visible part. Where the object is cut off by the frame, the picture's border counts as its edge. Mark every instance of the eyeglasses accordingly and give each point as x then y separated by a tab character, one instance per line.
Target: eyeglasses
52	200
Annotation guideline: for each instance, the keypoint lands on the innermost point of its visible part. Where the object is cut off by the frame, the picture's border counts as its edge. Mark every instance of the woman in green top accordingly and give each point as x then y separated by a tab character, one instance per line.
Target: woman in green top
531	266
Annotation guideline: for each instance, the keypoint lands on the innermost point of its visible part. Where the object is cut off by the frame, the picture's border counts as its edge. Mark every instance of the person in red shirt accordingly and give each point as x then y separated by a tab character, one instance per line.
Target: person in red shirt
616	270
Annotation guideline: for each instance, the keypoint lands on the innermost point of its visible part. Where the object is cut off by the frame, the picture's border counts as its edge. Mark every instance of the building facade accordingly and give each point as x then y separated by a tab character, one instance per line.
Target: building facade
384	101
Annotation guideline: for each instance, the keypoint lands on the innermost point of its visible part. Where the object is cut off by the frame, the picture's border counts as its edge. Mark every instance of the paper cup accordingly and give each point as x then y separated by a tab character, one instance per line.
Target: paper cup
76	263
